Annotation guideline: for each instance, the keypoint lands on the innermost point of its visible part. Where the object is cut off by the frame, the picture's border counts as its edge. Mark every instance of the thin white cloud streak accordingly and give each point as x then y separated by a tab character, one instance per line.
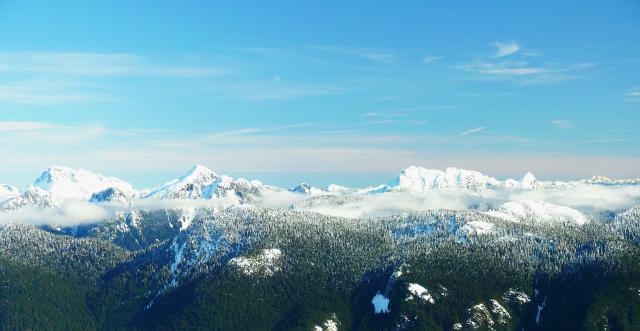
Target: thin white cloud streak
97	64
29	95
24	134
563	124
248	131
7	126
520	67
525	72
48	91
372	54
431	59
471	131
632	94
504	49
294	93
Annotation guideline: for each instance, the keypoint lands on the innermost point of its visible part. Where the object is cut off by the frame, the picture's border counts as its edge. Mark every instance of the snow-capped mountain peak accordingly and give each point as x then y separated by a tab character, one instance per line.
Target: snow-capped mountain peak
191	185
528	181
418	179
308	189
196	173
67	183
202	183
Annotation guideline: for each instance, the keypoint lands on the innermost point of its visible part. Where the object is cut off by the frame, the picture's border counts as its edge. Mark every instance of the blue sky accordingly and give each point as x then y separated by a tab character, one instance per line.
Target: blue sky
331	92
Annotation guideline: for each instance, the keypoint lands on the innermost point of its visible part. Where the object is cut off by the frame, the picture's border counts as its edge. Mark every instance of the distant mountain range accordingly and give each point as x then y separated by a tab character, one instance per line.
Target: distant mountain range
59	183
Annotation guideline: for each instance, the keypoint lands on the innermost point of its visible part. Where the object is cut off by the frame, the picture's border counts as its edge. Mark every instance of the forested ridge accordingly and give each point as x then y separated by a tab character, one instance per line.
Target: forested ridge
282	269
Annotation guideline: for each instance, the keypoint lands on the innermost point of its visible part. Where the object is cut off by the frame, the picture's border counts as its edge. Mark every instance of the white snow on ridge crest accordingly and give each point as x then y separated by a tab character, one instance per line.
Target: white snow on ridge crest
538	211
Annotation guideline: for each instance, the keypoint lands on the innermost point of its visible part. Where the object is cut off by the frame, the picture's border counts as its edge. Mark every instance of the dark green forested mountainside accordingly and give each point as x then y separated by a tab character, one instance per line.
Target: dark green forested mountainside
276	269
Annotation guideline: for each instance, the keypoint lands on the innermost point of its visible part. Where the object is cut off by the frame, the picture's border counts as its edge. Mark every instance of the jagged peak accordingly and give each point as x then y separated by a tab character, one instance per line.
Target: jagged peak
197	171
418	179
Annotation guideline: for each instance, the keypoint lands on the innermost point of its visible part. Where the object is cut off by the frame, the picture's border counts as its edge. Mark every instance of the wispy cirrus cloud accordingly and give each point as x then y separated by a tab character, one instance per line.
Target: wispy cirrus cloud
248	131
563	124
21	134
430	59
98	64
632	94
525	72
13	126
471	131
505	49
18	93
285	91
48	91
372	54
511	62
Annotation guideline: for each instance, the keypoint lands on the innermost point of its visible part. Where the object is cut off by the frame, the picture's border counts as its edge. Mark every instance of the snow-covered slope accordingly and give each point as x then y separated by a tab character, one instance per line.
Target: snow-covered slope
8	192
32	196
109	195
602	180
202	183
67	183
538	211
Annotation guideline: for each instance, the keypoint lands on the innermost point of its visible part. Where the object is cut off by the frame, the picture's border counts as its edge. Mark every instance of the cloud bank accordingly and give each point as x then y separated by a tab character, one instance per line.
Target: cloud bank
588	199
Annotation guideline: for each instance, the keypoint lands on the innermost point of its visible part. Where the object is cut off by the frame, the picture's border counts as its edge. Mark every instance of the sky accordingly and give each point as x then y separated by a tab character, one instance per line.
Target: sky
322	92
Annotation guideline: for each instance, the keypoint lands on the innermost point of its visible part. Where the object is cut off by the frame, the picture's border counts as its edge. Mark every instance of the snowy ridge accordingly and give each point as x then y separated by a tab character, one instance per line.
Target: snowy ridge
332	189
33	196
307	189
538	211
109	195
202	183
418	179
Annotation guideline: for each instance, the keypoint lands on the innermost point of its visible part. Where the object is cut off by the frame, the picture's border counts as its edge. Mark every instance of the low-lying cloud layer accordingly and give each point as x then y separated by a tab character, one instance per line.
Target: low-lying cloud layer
588	199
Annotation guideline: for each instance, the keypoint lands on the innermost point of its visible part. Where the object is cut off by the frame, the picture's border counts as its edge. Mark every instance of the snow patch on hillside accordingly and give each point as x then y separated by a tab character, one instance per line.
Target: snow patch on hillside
265	263
515	296
328	325
419	291
478	228
538	211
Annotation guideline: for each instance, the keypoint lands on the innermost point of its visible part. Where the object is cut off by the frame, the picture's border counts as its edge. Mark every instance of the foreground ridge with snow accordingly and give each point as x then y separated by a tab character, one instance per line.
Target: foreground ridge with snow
183	269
